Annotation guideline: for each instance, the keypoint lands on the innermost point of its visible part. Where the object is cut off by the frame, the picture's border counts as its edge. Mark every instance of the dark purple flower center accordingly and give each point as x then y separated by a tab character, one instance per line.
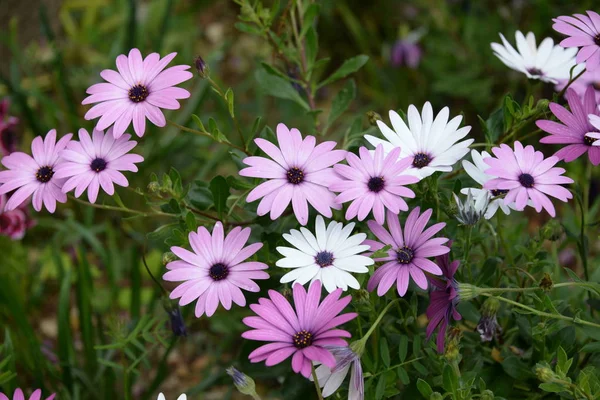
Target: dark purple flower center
138	93
295	175
303	339
44	174
597	39
535	72
498	192
324	259
526	180
588	140
218	272
376	184
421	160
98	165
405	255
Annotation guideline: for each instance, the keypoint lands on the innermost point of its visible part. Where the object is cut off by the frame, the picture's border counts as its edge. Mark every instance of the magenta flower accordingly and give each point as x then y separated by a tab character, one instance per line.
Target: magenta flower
373	182
216	270
406	52
138	91
18	395
35	175
443	299
408	254
14	223
96	162
303	332
299	172
527	176
583	32
575	127
8	135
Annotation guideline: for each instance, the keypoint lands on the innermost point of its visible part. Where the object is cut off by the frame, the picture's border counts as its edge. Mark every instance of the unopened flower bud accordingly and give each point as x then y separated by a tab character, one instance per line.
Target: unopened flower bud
488	327
373	117
469	212
436	396
243	383
544	373
543	104
546	283
452	350
466	291
168	257
201	67
153	187
552	230
287	293
361	296
175	318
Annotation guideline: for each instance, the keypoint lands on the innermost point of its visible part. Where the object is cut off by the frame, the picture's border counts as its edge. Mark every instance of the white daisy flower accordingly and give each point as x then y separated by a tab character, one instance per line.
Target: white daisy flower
329	256
432	144
330	380
548	63
493	198
181	397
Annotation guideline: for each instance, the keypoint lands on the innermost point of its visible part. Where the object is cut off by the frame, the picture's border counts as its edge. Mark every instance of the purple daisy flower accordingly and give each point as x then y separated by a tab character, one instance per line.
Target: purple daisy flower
96	162
299	172
575	127
583	32
527	176
443	299
302	333
35	175
373	182
408	254
138	91
216	270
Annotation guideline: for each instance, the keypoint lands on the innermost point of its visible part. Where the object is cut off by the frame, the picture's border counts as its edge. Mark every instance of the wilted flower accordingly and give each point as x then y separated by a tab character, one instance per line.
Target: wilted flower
14	223
488	327
470	211
330	379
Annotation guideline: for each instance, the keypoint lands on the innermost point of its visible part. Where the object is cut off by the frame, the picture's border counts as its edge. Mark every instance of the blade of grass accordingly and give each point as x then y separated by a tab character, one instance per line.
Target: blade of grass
84	291
65	339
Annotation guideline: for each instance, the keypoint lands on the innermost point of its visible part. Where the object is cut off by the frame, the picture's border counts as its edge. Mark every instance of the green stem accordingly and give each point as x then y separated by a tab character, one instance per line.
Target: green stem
235	121
562	92
316	380
378	320
575	320
203	133
531	289
121	209
393	367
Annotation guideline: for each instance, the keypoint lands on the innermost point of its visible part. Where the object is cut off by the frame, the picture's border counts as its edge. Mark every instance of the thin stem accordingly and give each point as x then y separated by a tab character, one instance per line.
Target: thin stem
531	289
316	380
203	214
216	86
125	210
562	92
575	320
378	320
163	290
202	133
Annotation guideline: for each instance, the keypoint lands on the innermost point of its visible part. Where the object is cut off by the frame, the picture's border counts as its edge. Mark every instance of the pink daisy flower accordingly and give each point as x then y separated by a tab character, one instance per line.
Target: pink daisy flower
138	91
527	176
373	182
216	269
96	162
575	129
302	332
18	395
35	175
298	172
408	254
584	32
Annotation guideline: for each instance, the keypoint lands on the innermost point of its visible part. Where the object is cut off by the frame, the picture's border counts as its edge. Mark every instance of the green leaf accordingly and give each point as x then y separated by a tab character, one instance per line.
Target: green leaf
403	376
385	352
65	340
247	28
593	347
310	14
84	292
230	103
563	363
312	49
424	388
383	252
380	389
278	87
552	387
220	191
348	67
403	347
342	101
198	123
450	380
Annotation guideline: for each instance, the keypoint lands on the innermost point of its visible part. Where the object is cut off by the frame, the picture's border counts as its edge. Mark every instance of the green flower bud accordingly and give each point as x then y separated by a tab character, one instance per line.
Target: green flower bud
552	230
546	283
452	350
153	187
436	396
487	395
467	291
373	117
544	373
168	257
243	383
